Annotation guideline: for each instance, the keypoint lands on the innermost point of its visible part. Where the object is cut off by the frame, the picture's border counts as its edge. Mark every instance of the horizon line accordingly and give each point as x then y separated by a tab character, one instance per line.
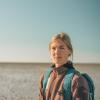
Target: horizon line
46	62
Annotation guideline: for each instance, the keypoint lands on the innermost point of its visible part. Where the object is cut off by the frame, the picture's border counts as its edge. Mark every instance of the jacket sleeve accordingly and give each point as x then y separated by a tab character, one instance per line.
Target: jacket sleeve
40	96
79	88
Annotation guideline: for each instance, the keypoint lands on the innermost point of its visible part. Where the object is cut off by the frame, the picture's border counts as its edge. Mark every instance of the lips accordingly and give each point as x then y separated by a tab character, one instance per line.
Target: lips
58	57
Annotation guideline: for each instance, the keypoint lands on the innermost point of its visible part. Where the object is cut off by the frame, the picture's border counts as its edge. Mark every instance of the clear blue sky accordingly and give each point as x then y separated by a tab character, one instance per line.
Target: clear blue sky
26	26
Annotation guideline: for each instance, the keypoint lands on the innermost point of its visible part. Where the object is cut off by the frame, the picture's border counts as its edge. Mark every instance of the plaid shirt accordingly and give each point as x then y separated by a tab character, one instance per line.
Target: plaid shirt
79	87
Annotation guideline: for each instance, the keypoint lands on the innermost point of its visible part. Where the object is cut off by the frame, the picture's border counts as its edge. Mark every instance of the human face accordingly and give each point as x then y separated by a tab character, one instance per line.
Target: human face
59	52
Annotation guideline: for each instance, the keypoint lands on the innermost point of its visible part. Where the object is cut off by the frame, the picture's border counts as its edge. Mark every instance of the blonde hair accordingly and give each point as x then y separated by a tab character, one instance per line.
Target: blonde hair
65	38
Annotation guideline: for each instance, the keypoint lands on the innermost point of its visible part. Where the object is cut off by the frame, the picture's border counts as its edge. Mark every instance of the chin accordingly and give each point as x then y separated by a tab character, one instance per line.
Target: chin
58	62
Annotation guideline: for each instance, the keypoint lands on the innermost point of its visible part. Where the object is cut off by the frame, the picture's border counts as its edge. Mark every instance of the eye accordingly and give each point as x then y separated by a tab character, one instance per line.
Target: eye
62	47
53	48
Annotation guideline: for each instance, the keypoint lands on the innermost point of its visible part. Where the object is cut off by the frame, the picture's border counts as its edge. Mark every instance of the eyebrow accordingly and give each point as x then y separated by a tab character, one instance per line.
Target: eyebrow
59	46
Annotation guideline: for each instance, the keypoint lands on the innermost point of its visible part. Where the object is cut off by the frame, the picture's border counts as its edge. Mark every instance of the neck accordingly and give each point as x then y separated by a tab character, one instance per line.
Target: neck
69	63
59	65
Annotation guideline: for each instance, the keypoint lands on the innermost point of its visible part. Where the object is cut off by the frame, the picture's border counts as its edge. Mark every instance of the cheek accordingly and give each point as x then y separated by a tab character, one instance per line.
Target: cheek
67	53
51	54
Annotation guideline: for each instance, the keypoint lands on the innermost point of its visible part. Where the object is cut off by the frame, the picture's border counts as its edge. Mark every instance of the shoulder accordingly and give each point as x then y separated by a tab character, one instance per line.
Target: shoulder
41	80
79	87
45	74
41	77
78	81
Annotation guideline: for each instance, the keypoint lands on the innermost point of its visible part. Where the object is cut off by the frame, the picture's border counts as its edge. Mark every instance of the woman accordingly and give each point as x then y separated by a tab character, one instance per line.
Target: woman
61	50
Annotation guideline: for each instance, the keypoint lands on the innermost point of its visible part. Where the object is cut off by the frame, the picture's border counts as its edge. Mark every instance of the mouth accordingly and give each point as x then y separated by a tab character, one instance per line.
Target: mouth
58	57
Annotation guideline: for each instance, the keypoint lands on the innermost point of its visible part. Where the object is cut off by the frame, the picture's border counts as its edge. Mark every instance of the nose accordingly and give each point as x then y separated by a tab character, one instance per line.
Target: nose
57	50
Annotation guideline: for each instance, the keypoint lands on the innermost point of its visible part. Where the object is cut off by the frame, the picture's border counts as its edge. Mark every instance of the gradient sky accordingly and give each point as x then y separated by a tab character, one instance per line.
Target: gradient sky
26	27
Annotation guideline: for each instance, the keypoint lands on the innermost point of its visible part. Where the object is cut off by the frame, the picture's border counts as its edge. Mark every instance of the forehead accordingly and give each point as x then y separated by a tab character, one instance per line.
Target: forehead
58	42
